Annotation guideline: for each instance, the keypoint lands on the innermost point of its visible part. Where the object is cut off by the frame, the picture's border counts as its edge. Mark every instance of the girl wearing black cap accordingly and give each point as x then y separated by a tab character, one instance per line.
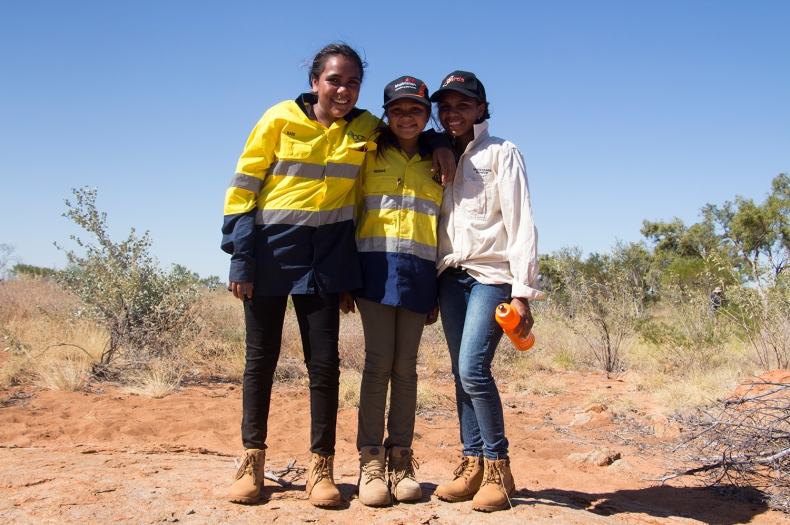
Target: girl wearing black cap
487	256
396	240
289	227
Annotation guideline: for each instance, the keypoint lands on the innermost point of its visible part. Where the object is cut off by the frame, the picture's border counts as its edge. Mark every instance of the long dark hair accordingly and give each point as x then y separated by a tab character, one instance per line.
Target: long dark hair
318	64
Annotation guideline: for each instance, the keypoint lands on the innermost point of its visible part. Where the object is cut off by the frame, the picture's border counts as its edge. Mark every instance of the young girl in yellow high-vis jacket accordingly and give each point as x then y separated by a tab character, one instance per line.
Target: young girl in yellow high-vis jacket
289	227
396	239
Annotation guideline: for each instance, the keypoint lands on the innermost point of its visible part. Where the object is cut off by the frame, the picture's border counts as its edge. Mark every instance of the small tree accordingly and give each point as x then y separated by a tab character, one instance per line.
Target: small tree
29	270
758	235
6	257
763	320
691	335
601	301
142	307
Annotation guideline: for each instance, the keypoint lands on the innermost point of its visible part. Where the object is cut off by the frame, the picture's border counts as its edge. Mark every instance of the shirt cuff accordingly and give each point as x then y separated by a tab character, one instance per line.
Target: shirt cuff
525	292
241	272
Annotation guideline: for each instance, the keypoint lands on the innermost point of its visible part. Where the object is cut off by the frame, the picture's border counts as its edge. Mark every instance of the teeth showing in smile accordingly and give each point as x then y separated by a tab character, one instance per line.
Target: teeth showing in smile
340	101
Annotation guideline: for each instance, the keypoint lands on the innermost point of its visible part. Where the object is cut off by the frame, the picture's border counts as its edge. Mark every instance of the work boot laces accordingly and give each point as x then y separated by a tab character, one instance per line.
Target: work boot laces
496	476
321	468
249	465
464	469
402	467
373	470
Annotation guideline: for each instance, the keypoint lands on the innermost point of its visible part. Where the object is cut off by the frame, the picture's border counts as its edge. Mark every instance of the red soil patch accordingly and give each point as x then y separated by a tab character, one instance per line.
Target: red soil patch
109	456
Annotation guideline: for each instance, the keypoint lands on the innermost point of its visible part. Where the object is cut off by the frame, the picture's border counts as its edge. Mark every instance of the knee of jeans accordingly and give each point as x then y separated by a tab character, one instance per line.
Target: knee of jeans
472	380
376	366
329	371
407	378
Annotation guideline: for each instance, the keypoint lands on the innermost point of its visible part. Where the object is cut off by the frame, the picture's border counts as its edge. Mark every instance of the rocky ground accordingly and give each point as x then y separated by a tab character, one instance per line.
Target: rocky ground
108	456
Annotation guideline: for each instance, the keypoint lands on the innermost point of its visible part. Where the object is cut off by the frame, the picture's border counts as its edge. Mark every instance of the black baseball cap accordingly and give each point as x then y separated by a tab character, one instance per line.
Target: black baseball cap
462	81
411	87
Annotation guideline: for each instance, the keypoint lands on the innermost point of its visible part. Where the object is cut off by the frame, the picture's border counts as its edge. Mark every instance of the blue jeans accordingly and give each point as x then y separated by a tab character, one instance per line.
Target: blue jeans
467	308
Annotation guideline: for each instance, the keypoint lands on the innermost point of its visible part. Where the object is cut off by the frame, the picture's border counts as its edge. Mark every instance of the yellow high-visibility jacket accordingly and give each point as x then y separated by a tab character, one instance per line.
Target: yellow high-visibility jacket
289	210
396	230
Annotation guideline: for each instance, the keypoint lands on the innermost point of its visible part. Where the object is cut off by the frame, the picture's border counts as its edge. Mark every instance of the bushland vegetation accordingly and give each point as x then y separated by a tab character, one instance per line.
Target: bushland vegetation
113	314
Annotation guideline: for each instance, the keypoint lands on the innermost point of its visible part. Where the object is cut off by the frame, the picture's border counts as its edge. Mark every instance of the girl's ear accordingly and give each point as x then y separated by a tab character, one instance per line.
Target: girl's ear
481	110
314	84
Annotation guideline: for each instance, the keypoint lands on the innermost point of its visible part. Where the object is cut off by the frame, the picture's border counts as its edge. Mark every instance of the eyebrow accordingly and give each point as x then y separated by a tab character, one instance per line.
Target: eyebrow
338	75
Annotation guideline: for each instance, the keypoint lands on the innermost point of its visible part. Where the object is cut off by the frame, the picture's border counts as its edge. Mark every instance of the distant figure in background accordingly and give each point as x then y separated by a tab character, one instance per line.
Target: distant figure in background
715	299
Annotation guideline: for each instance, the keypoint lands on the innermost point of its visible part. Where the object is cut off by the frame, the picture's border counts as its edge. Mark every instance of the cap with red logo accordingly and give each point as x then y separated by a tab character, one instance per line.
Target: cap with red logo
411	87
462	81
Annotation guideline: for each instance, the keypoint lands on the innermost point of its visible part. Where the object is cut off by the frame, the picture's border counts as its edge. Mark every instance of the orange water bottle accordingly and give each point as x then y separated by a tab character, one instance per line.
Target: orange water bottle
508	319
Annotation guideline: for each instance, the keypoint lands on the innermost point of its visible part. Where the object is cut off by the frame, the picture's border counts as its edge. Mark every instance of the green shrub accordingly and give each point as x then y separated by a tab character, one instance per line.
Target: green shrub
143	308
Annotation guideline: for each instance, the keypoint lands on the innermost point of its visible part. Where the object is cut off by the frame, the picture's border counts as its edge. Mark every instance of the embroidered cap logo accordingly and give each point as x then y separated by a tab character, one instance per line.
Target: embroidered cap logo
453	79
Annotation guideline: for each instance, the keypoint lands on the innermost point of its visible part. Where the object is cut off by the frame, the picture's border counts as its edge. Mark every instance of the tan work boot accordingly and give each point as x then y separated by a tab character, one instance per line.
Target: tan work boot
468	477
497	487
320	488
403	482
249	478
372	485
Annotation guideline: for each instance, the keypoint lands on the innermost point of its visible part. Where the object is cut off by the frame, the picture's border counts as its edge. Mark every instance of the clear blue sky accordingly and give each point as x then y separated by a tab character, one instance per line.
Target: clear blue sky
623	110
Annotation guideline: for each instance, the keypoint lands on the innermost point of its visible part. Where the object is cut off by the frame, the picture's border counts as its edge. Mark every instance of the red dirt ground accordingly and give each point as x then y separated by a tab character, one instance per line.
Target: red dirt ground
107	456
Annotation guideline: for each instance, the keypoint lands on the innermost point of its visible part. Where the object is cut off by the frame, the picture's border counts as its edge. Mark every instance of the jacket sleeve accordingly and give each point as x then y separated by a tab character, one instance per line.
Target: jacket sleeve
522	243
241	199
432	140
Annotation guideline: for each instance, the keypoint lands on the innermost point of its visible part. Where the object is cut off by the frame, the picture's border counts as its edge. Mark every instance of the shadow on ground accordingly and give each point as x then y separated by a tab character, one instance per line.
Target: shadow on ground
660	502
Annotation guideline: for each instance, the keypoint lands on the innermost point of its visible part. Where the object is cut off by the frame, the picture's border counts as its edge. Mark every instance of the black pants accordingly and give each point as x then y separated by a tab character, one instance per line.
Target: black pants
319	324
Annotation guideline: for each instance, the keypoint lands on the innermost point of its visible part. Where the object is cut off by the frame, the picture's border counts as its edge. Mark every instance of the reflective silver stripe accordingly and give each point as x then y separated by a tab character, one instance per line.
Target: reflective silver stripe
297	169
398	202
342	171
394	245
246	182
305	218
307	170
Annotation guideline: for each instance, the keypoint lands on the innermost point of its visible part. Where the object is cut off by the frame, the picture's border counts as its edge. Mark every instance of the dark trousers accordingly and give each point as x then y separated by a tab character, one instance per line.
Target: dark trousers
319	324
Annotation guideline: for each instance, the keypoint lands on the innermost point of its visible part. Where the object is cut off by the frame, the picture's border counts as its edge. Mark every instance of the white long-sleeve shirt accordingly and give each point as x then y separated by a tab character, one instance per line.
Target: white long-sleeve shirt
485	223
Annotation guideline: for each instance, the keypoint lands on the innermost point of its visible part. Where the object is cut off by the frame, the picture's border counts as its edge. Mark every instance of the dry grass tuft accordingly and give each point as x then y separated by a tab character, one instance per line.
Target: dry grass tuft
350	383
15	370
599	397
290	370
433	350
69	374
429	398
543	385
625	406
157	380
351	345
700	389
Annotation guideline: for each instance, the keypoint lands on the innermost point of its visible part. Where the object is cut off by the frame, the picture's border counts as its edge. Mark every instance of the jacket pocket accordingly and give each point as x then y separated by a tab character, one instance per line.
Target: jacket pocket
431	191
380	185
289	148
473	200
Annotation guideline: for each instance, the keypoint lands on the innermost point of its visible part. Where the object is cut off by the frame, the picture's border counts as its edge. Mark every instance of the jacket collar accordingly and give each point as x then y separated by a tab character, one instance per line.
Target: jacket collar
481	134
305	100
392	142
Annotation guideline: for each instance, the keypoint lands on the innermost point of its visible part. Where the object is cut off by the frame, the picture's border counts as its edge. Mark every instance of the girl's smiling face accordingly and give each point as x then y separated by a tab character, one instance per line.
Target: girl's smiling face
458	113
337	89
407	118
